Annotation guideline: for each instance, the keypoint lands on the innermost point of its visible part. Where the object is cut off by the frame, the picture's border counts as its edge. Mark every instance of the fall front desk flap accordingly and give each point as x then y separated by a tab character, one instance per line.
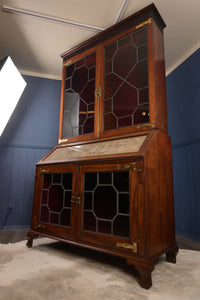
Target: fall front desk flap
113	147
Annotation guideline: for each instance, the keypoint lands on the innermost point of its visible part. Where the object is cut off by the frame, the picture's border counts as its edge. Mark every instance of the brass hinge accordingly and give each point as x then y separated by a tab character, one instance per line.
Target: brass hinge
98	92
43	171
62	141
131	166
148	125
68	62
143	23
128	246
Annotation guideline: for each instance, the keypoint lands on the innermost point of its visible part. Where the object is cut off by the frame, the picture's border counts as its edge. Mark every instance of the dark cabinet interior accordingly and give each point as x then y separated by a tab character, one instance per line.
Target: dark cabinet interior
107	185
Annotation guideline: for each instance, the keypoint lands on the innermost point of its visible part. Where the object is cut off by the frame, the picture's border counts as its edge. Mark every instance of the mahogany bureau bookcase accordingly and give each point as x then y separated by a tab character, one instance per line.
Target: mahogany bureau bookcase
107	185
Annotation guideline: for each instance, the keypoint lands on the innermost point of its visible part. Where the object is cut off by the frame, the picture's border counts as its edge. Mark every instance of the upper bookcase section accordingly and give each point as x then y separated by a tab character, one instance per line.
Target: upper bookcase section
114	83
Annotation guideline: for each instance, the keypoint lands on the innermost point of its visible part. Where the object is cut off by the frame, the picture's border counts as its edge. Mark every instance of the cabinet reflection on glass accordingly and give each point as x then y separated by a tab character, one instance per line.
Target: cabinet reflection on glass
106	203
78	104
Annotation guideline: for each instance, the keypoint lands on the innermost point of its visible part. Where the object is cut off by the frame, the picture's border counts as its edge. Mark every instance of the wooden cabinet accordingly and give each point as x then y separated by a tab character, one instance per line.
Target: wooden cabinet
108	184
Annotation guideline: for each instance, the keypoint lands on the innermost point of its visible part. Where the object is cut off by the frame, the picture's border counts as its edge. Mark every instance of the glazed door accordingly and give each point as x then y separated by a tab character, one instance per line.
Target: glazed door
54	212
79	104
107	215
125	82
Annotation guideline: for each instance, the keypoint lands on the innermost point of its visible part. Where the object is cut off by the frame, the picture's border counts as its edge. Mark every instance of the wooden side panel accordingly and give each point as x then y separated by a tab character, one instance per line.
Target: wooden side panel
157	82
36	199
158	196
166	180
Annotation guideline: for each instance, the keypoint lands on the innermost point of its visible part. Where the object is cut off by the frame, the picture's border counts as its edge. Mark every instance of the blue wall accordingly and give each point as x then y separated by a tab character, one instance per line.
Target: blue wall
31	132
183	94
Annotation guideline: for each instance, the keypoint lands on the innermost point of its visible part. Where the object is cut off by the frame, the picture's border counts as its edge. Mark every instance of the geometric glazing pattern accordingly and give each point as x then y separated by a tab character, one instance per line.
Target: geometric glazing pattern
126	92
55	203
106	203
78	108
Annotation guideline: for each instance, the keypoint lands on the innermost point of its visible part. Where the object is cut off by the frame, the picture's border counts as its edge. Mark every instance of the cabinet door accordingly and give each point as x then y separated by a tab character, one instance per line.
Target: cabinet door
125	102
108	212
53	206
79	109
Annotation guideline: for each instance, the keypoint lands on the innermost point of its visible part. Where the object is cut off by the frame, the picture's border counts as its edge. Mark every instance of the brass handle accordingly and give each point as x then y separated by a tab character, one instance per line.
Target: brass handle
78	200
128	246
73	199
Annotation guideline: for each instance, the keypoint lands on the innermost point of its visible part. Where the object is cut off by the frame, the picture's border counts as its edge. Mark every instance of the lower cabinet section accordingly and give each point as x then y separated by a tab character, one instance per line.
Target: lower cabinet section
101	206
88	202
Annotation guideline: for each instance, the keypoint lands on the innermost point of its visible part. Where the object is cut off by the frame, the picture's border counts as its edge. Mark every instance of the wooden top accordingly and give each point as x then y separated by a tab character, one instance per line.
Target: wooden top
141	16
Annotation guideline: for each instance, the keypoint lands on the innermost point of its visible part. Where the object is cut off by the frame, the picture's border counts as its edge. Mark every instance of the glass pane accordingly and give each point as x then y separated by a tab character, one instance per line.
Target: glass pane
79	92
110	121
124	203
68	196
89	222
46	181
56	178
88	200
121	181
44	214
44	196
105	178
90	181
110	51
107	202
55	201
65	217
142	114
121	226
54	218
55	207
104	227
67	181
126	81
